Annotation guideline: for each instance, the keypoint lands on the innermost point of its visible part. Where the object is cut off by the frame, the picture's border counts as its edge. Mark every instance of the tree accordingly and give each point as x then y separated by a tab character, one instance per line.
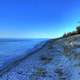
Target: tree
73	32
78	29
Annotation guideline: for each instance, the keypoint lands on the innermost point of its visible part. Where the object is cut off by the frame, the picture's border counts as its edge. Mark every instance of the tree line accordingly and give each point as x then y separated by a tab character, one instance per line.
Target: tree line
77	31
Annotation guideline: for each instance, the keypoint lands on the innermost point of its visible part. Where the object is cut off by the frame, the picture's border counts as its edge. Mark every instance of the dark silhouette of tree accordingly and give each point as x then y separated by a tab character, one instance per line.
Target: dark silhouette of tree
78	29
64	35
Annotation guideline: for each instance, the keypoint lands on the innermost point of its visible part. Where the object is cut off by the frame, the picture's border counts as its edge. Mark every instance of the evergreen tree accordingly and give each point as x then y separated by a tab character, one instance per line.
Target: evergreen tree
78	29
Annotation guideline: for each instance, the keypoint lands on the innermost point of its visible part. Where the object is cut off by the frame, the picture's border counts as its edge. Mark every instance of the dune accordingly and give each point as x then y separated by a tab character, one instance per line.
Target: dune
57	59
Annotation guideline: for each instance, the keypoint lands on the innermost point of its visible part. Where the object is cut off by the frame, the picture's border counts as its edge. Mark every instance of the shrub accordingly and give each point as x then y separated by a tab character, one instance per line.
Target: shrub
46	58
62	74
41	72
50	46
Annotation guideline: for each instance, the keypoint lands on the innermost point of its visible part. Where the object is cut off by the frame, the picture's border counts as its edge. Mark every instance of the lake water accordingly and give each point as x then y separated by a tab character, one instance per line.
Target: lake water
10	49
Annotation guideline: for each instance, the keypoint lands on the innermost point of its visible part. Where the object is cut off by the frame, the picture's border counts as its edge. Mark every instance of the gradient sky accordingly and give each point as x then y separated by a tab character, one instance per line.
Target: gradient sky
38	18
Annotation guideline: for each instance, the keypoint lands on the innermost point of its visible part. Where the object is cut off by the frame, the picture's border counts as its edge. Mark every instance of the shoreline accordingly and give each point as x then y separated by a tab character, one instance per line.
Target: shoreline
19	60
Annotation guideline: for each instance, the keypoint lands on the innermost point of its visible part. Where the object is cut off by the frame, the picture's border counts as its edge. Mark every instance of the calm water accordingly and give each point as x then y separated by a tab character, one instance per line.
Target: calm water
10	49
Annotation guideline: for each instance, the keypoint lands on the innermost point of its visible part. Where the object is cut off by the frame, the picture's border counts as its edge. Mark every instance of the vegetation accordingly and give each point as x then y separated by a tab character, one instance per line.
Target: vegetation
50	46
41	72
77	31
46	58
62	74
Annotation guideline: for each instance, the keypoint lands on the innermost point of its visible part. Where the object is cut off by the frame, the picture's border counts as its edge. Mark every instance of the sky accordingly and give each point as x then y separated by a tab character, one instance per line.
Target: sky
38	18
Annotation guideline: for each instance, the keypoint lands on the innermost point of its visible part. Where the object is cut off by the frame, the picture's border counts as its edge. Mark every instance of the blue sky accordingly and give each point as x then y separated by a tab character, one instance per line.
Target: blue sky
38	18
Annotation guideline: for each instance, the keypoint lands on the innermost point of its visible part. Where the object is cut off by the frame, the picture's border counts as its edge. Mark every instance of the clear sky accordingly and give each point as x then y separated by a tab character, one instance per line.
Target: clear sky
38	18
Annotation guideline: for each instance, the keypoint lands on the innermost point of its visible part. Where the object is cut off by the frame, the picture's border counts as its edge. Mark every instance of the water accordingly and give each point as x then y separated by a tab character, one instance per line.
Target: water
10	49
